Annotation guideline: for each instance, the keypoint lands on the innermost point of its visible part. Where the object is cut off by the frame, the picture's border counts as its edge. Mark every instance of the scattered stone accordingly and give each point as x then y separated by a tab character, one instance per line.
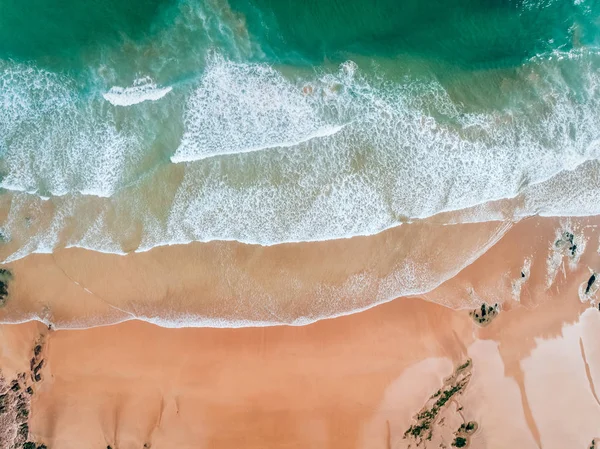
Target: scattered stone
36	363
462	435
590	282
566	237
485	314
517	284
567	245
429	416
588	289
15	398
24	430
38	367
459	442
5	278
3	403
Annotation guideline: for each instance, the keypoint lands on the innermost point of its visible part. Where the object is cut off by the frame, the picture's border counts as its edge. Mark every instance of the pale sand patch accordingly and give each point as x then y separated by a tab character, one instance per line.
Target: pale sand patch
555	373
493	401
590	336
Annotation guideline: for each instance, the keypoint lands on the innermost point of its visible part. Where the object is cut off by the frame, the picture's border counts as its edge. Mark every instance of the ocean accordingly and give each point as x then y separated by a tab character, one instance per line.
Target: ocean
129	125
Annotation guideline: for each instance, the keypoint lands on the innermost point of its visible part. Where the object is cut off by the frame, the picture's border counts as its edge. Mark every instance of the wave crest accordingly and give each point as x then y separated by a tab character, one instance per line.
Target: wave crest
143	89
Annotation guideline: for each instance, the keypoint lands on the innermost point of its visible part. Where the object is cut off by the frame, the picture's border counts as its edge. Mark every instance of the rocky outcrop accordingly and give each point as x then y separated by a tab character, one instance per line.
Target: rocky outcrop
429	428
5	278
485	314
15	400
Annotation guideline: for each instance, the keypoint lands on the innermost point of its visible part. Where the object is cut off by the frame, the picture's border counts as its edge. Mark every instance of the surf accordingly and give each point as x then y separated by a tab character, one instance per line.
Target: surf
143	89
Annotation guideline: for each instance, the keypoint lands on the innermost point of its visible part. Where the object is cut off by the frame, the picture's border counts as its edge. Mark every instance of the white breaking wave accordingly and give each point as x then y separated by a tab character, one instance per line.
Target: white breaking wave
240	108
323	132
55	143
349	154
143	89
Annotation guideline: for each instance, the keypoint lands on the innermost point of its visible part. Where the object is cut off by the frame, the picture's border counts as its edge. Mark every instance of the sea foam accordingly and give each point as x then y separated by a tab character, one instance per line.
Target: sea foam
239	108
143	89
349	153
53	141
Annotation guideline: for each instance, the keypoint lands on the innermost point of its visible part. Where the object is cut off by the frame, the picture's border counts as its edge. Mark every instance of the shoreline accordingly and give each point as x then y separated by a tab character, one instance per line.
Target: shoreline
225	284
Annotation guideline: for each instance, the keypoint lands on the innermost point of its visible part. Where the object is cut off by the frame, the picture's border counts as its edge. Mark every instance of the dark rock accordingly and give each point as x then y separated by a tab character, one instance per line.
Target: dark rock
29	390
590	282
459	442
21	402
5	277
38	367
37	350
24	431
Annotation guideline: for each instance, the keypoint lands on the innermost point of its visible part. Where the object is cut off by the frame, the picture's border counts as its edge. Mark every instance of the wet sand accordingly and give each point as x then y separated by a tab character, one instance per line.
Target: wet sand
228	284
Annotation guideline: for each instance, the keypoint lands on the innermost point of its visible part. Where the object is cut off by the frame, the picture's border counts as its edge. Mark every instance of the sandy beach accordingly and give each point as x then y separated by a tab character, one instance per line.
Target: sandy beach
268	224
360	380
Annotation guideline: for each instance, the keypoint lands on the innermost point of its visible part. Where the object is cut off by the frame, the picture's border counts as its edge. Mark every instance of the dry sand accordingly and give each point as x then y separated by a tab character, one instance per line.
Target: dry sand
353	381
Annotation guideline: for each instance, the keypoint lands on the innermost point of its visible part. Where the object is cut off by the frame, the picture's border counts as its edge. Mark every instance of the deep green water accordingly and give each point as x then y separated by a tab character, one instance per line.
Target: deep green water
473	34
274	120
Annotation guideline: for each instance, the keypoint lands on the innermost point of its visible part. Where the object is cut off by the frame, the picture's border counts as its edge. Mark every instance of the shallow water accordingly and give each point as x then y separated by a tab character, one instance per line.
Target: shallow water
127	126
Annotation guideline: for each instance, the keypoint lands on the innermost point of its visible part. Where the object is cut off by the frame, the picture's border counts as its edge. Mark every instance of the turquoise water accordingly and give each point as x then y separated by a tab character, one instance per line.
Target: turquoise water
473	34
127	125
